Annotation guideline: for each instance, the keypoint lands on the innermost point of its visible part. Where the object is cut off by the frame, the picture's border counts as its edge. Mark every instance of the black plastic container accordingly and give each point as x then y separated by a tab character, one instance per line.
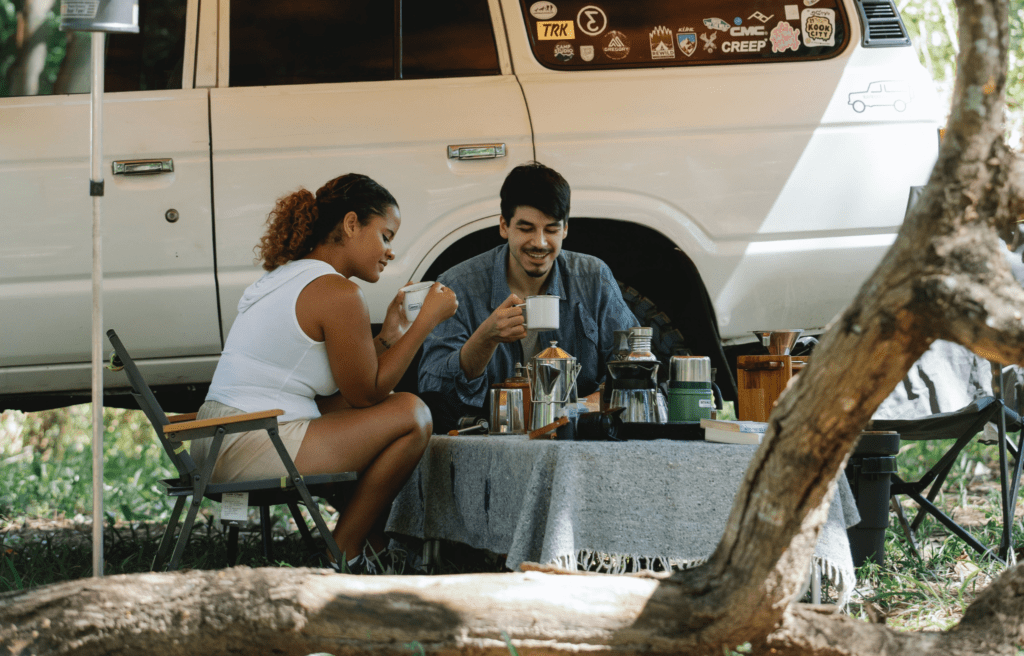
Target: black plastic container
869	471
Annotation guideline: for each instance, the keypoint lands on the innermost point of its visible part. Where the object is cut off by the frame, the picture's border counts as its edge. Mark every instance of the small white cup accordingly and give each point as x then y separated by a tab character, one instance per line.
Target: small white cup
543	310
415	294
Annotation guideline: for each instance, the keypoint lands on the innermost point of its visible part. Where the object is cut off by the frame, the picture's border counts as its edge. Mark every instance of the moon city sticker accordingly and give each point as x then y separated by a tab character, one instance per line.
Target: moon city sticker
819	27
616	45
784	37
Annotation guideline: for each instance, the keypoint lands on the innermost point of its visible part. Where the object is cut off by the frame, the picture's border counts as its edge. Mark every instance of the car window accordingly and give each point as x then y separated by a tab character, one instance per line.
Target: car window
321	41
569	35
37	59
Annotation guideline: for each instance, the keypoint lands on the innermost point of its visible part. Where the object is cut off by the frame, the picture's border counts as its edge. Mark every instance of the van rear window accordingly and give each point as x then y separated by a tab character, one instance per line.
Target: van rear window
568	35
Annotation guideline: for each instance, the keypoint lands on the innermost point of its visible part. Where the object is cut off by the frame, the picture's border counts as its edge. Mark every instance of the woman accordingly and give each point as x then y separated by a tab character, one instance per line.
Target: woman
302	343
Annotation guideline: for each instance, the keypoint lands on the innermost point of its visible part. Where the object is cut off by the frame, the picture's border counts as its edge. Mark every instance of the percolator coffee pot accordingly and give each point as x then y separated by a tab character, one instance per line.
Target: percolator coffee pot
553	385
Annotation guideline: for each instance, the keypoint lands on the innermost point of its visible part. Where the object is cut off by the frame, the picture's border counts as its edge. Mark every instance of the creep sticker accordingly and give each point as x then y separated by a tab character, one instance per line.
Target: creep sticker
592	20
564	51
819	27
686	39
785	37
746	45
709	42
552	30
616	45
716	24
758	16
587	53
661	43
543	10
792	12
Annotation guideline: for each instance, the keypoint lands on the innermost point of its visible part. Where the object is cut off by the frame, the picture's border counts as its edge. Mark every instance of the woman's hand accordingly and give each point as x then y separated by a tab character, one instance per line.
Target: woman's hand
440	304
395	323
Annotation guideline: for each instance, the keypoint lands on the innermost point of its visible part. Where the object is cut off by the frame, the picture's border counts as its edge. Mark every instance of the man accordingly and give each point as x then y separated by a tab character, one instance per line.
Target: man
481	344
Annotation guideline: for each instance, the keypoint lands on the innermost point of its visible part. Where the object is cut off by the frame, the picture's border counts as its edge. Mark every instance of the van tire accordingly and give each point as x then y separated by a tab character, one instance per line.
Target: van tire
666	340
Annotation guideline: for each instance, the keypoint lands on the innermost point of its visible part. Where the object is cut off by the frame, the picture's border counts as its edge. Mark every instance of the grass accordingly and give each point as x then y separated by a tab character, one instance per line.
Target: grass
46	500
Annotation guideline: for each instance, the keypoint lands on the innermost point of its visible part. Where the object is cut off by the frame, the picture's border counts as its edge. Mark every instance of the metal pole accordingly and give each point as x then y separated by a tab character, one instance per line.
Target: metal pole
96	191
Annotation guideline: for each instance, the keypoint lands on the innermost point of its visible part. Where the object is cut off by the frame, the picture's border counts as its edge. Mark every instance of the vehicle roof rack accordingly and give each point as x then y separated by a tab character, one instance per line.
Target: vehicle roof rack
883	26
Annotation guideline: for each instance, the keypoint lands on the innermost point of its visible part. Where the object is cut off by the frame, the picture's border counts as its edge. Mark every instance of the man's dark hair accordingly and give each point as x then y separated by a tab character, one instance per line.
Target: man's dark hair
537	186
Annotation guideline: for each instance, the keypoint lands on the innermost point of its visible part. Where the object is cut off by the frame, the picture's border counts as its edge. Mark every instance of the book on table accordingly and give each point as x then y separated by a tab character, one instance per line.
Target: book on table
733	432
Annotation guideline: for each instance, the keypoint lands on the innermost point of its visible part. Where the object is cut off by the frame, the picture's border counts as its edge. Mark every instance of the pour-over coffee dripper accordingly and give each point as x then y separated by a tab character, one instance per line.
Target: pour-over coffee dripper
778	342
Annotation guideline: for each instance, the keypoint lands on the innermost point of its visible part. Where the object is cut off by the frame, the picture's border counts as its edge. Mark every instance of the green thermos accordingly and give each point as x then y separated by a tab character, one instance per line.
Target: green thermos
690	397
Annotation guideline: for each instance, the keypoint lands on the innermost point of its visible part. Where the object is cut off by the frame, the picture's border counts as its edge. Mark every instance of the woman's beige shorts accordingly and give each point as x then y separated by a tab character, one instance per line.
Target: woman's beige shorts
251	455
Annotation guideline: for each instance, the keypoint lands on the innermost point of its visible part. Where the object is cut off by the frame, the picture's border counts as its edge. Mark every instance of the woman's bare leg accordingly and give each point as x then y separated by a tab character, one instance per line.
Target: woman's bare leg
383	442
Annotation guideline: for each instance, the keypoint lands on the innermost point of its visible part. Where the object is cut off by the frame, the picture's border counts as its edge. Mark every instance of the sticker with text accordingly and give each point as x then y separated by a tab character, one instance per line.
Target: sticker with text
709	42
587	53
592	20
785	37
553	30
543	10
747	30
686	39
716	24
792	12
745	46
819	27
616	45
564	52
661	43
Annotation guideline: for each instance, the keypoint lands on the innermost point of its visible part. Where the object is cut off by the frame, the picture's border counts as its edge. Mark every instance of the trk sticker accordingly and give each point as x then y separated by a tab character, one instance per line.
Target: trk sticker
564	52
661	43
792	12
709	41
592	20
552	30
819	27
616	45
716	24
543	10
760	17
587	53
785	37
686	39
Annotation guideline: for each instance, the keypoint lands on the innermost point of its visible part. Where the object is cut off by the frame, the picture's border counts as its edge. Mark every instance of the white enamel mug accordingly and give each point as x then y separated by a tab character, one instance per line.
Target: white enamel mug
415	294
540	312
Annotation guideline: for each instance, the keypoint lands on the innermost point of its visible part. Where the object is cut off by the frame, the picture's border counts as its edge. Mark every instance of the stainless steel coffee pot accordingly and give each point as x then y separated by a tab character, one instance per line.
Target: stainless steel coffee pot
634	382
553	383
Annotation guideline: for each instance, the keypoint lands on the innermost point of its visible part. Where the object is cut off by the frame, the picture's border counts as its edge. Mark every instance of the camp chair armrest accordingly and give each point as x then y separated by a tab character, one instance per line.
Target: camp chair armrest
188	416
200	428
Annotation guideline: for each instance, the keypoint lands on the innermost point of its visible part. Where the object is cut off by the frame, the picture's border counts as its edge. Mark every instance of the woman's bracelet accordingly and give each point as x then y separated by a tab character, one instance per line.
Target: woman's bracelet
383	342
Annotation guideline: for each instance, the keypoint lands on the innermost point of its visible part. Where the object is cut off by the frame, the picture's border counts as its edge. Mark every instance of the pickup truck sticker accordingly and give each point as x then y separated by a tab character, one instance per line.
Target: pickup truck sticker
554	30
716	24
709	42
564	51
661	43
616	45
686	39
819	27
882	93
543	10
785	37
592	20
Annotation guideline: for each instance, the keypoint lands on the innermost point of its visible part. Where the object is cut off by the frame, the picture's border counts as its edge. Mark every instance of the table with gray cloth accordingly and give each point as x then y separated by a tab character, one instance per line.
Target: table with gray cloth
607	504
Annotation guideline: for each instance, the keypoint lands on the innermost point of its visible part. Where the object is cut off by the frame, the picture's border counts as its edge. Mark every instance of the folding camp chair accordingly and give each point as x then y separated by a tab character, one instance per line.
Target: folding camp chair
194	482
962	426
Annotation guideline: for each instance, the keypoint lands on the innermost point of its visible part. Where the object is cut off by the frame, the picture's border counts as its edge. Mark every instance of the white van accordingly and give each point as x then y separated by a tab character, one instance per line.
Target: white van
720	157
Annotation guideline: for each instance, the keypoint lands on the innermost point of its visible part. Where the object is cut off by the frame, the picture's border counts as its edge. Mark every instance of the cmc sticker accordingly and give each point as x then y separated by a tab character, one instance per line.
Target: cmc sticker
616	45
552	30
819	27
592	20
587	53
716	24
686	39
785	37
661	43
543	10
564	52
709	41
748	30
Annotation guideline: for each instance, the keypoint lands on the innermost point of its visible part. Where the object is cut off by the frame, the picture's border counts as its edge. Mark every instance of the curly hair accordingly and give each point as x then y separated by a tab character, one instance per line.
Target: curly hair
300	221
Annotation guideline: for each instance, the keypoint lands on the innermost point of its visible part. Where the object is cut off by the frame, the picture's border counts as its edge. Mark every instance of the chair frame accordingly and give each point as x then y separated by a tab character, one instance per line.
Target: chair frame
194	481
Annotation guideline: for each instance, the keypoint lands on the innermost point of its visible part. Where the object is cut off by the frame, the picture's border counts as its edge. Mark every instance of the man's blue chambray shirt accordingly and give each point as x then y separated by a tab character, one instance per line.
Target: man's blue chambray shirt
591	308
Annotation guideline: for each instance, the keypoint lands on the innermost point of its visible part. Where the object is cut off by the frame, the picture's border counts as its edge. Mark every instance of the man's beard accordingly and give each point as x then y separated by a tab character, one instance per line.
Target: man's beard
536	274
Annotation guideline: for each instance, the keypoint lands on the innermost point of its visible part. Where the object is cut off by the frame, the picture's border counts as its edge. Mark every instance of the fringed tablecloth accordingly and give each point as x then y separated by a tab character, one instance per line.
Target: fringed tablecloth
613	504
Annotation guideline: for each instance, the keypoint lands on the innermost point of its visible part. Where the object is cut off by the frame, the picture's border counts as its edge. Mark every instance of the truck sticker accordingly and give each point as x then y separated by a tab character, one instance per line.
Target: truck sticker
716	24
564	51
552	30
819	27
661	43
686	39
616	45
709	42
792	12
543	10
882	93
760	17
587	53
592	20
785	37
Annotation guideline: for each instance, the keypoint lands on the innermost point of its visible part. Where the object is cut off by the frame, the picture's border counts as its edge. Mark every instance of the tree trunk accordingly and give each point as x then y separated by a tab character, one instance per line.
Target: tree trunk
945	277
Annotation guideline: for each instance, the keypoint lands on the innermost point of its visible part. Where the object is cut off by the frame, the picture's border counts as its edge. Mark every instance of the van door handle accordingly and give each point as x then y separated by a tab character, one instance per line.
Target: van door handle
143	166
476	151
